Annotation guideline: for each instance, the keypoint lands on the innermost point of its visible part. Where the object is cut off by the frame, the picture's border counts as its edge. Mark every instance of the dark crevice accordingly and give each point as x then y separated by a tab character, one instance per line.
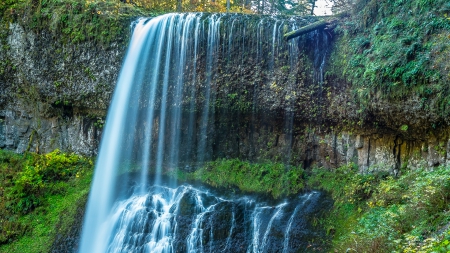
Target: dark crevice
397	153
368	153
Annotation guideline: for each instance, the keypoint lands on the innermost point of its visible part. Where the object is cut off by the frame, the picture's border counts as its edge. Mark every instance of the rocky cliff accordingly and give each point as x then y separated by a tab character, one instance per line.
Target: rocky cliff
55	94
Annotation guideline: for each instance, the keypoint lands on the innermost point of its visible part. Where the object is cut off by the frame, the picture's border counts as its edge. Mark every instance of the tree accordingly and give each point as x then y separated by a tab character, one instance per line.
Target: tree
342	5
287	7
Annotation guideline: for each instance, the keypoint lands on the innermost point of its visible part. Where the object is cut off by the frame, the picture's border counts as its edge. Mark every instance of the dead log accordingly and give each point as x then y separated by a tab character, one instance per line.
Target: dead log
306	29
315	26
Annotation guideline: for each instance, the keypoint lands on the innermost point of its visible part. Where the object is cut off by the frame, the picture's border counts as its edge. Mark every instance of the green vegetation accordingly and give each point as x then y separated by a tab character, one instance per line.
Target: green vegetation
371	213
74	21
35	191
270	178
379	213
395	50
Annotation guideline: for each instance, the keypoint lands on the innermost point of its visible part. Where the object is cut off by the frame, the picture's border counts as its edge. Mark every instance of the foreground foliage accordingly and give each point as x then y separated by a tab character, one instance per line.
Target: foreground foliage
35	190
380	213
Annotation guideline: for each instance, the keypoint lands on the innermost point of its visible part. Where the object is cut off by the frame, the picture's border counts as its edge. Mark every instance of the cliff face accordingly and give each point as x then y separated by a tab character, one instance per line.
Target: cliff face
55	95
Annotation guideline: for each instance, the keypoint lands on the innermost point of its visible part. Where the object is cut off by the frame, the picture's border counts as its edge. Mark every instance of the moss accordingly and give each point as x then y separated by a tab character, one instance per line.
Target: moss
393	50
274	179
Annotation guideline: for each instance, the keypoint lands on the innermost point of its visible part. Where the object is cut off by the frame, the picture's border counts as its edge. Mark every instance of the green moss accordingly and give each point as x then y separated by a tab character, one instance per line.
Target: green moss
271	178
393	50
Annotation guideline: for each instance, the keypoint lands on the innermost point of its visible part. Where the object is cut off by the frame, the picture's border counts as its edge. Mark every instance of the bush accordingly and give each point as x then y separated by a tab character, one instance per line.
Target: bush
380	213
42	175
34	189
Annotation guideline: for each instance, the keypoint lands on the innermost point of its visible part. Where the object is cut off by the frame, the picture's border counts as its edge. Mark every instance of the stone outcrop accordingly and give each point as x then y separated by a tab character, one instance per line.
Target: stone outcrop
311	146
55	95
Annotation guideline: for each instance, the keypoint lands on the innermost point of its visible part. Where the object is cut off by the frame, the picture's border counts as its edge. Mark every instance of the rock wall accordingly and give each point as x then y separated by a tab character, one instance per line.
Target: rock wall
311	145
21	131
55	95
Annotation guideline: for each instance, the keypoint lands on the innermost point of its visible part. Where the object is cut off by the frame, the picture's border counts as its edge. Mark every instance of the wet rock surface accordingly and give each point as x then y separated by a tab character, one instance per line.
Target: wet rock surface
186	219
55	95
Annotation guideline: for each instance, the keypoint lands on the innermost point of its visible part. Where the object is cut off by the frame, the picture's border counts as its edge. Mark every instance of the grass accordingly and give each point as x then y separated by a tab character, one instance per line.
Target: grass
270	178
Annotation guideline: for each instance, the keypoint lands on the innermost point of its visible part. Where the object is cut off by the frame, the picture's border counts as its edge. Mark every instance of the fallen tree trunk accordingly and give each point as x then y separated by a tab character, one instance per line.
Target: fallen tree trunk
306	29
315	26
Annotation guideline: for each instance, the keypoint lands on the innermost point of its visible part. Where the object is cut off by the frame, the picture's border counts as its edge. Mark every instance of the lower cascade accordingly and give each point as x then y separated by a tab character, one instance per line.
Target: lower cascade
162	117
186	219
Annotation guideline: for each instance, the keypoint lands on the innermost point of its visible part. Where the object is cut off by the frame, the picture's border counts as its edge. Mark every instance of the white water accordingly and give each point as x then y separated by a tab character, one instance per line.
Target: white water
145	131
96	226
149	222
291	220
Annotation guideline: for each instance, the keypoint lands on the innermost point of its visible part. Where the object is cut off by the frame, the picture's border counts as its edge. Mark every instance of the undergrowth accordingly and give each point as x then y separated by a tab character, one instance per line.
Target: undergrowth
34	191
380	213
371	212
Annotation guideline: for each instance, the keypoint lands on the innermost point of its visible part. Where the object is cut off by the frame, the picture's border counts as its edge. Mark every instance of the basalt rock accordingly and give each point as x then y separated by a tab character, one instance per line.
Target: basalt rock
56	95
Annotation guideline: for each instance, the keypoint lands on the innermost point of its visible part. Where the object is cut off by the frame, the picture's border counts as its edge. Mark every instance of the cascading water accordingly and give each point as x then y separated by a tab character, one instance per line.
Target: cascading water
162	117
186	219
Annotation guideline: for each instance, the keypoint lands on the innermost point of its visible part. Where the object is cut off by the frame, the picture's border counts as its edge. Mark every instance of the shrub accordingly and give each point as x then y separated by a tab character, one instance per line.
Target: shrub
380	213
42	175
34	190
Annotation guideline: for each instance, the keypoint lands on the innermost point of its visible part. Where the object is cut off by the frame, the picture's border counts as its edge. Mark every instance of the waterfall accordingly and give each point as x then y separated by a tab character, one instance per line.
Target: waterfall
177	80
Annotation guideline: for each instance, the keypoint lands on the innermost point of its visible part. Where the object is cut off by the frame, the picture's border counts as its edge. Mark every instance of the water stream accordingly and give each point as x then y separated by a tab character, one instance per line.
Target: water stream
162	117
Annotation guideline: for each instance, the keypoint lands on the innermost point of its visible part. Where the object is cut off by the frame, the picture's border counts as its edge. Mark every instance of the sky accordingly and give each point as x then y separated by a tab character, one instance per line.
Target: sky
323	7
